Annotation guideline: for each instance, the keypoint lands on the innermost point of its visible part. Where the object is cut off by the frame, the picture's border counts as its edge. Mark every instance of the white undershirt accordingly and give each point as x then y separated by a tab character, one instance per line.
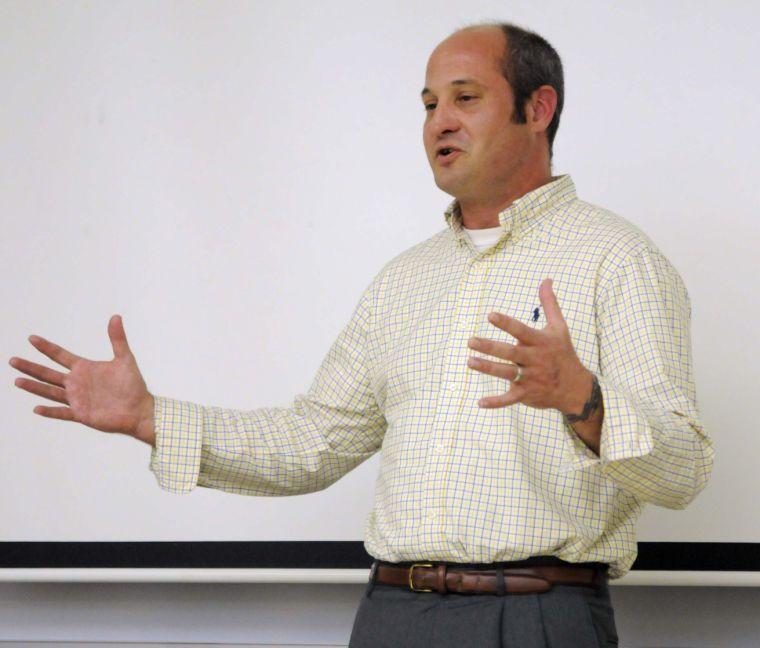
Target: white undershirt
484	238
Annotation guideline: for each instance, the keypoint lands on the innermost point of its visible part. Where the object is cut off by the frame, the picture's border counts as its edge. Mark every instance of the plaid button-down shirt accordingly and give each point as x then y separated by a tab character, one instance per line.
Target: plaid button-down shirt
457	482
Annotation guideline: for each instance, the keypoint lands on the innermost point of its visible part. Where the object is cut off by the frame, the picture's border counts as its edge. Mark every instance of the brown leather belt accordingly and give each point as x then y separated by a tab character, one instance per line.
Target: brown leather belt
442	578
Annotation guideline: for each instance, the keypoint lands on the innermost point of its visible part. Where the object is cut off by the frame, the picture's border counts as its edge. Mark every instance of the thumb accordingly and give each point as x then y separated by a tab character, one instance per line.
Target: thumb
118	337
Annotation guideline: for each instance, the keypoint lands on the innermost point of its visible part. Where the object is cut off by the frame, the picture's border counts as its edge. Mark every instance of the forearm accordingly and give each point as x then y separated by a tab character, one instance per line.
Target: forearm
654	448
584	411
268	451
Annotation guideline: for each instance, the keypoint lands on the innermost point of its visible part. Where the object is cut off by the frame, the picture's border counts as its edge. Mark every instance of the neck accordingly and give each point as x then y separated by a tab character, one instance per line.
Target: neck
482	212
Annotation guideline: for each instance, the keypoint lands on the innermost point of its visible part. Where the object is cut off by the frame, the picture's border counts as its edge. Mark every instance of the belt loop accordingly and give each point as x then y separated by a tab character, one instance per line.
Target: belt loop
501	583
441	578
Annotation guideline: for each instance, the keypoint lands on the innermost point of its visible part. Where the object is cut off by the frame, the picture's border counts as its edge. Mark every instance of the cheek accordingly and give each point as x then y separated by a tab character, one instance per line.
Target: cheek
427	140
489	134
503	143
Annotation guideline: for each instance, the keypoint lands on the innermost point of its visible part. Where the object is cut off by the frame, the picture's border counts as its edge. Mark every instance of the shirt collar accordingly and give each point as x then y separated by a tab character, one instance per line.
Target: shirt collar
525	212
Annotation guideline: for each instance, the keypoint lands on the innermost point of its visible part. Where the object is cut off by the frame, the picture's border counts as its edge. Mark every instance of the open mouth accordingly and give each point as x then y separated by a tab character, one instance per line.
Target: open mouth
447	153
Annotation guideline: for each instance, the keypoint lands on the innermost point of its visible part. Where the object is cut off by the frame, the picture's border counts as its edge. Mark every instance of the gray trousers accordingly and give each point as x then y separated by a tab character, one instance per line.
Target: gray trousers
567	616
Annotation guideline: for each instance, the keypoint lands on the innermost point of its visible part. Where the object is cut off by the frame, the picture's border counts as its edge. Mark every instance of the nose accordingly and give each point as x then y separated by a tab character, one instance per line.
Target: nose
442	121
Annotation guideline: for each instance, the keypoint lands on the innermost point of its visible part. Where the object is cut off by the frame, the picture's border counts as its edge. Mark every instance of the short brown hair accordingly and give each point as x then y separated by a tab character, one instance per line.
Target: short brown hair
529	62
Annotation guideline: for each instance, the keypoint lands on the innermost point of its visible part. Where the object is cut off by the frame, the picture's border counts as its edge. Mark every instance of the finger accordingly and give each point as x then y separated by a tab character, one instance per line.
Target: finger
516	328
550	303
503	350
502	400
53	351
118	337
505	370
38	371
62	413
53	393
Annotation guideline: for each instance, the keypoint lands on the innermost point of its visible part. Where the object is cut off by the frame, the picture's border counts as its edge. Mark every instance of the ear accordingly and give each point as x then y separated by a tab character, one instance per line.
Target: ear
539	109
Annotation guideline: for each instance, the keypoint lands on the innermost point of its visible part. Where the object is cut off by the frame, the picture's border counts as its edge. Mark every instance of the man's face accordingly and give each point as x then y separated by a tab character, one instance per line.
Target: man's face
468	107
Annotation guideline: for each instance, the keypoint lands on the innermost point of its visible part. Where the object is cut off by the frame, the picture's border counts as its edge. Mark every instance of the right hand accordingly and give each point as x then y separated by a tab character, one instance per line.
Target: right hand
108	396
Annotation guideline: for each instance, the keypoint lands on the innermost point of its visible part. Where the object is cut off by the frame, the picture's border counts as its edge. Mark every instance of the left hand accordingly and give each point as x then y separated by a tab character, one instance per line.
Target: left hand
552	373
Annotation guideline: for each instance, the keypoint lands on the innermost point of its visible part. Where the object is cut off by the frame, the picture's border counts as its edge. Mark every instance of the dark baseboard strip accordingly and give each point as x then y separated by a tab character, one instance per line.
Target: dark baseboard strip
661	556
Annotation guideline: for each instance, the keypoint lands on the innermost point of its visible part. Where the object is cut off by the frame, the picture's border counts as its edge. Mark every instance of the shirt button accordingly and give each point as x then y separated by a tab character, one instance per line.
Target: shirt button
452	387
439	448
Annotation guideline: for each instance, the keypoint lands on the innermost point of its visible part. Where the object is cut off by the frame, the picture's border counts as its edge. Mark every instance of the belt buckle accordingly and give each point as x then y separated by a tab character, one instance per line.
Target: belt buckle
411	571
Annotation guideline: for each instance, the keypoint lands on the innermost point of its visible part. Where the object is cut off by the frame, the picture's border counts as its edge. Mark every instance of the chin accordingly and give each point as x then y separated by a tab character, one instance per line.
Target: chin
447	185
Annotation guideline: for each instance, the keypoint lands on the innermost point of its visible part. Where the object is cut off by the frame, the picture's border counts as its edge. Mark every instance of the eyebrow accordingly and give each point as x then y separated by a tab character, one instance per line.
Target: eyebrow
455	82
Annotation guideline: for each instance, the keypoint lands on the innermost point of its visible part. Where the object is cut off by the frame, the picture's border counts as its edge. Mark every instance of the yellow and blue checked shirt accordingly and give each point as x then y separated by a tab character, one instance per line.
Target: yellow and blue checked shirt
457	482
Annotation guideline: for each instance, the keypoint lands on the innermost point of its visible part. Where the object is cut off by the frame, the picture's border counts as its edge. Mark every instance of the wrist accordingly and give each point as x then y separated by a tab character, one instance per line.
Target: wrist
145	429
579	396
585	410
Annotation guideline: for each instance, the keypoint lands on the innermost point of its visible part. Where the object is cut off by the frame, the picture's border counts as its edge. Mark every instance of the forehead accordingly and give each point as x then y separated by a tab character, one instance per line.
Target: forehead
472	54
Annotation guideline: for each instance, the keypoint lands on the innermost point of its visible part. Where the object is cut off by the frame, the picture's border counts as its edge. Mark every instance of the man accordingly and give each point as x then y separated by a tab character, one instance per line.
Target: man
498	516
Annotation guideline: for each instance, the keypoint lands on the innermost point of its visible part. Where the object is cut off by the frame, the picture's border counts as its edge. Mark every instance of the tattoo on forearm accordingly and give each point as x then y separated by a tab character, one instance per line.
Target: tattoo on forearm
591	405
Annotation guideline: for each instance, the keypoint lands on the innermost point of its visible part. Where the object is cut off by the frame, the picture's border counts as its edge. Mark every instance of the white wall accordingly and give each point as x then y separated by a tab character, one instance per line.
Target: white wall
228	176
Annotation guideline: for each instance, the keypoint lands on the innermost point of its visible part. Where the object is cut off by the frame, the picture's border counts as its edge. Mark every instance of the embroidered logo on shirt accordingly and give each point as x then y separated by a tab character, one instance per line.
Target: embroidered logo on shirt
536	312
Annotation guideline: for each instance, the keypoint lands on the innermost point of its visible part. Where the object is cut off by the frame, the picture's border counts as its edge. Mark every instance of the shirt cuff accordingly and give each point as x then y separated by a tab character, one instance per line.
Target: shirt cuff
176	458
626	428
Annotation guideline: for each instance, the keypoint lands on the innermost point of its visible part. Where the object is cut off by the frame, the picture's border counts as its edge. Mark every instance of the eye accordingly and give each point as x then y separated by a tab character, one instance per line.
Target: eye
429	106
464	97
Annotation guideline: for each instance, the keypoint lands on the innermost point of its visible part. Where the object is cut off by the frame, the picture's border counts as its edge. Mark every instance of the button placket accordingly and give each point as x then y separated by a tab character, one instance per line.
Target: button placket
453	390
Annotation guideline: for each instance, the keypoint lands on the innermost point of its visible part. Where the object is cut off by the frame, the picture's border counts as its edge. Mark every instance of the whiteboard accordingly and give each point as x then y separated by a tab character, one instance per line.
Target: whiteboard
228	177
